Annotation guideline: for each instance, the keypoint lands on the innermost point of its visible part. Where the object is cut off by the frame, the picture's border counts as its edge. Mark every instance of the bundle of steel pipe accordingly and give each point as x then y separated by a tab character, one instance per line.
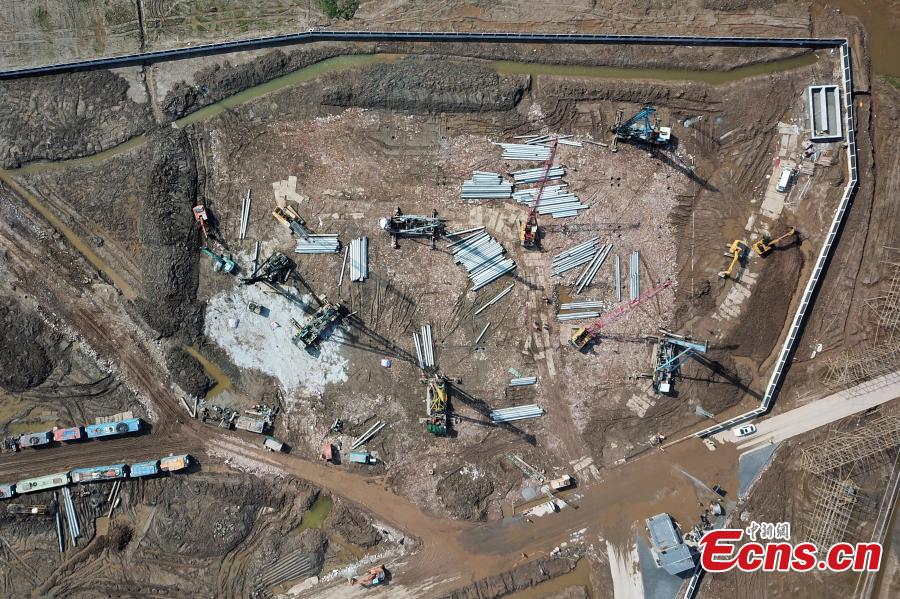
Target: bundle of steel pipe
326	243
71	517
591	270
373	430
245	216
483	257
486	186
424	347
576	316
555	200
575	256
525	152
618	279
535	175
545	139
523	381
581	305
635	288
359	259
516	413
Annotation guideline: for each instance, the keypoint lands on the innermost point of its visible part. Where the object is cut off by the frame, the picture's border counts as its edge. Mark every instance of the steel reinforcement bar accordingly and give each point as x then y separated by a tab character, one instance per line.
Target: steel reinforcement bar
307	37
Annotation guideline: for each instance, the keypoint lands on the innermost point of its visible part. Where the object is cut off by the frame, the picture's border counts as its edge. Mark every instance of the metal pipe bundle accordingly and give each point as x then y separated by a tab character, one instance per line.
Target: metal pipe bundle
555	201
581	305
525	152
359	259
577	316
373	430
635	288
245	216
516	413
486	186
591	271
74	529
575	256
535	175
523	381
424	347
618	279
483	257
326	243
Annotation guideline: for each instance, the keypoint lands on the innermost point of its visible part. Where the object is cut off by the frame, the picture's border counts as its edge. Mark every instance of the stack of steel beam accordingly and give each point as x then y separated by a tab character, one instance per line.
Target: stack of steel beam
575	256
326	243
523	381
555	201
483	257
71	517
634	289
424	347
486	186
588	274
516	413
534	175
618	279
525	152
359	259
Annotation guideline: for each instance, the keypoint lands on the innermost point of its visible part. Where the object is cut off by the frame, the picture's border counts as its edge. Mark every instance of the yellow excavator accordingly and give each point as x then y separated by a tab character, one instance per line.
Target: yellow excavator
766	245
737	251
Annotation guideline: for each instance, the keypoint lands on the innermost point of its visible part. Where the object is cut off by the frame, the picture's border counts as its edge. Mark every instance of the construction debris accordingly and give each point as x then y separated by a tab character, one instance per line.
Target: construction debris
359	259
516	413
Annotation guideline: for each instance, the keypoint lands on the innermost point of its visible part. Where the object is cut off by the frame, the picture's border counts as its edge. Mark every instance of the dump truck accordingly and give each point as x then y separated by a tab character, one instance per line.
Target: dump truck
362	457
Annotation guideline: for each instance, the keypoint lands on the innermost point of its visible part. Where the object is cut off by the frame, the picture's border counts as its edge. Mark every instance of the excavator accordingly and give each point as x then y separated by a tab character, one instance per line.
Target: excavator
220	262
288	216
765	245
737	251
529	233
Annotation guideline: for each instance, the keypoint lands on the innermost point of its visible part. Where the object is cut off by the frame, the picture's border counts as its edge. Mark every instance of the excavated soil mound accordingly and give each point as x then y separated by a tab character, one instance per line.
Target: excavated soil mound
25	362
354	526
465	495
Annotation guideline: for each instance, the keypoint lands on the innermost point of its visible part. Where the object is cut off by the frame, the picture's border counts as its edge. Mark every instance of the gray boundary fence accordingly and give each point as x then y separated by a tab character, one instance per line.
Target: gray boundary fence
806	301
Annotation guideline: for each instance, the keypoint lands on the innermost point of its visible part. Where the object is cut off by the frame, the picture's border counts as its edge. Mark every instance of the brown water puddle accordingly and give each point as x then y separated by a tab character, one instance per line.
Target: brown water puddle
218	375
579	577
881	18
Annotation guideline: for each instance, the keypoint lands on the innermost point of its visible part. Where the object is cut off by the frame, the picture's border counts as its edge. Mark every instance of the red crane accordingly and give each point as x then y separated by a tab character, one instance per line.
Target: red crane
584	335
528	234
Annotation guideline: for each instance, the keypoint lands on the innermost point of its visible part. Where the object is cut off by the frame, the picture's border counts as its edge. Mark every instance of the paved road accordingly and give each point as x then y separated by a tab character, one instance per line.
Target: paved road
819	413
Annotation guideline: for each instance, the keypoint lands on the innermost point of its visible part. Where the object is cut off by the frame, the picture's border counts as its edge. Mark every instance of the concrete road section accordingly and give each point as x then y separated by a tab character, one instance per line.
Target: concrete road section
818	413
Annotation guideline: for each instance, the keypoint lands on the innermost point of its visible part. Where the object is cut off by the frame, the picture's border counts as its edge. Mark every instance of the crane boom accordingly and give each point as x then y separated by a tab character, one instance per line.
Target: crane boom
584	335
529	232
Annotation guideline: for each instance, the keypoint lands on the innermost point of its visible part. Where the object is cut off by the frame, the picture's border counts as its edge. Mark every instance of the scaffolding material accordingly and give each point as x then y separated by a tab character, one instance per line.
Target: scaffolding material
860	364
843	449
835	499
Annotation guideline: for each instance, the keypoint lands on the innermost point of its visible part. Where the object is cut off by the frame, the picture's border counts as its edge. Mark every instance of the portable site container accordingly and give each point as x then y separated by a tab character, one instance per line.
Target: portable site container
94	473
144	469
273	444
362	457
175	462
34	439
107	429
32	485
67	434
7	491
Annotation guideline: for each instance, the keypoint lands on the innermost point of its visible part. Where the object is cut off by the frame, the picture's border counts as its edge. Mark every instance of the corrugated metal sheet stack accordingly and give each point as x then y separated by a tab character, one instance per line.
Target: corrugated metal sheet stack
325	243
486	186
516	413
555	201
359	259
483	257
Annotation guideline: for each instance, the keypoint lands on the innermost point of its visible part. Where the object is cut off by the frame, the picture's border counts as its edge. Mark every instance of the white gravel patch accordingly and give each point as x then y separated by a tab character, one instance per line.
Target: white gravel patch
256	344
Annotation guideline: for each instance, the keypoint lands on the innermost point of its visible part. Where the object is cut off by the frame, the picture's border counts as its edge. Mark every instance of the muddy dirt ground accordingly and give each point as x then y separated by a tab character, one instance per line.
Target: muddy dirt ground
406	132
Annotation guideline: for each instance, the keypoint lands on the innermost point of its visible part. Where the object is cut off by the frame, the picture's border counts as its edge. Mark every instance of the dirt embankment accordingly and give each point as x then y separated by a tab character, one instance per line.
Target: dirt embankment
353	525
25	361
219	81
428	84
519	578
66	116
465	494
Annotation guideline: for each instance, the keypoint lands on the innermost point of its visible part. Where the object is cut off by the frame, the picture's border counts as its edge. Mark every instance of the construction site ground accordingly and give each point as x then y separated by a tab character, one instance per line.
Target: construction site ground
107	301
